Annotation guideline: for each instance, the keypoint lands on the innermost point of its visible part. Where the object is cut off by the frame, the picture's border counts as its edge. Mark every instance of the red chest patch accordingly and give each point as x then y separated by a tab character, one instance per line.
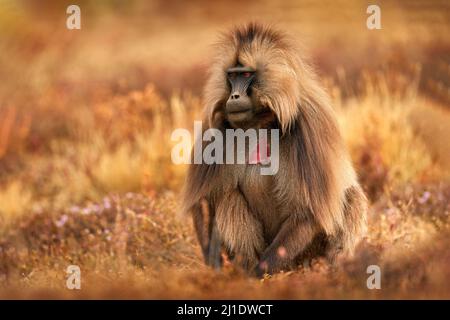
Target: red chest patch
260	154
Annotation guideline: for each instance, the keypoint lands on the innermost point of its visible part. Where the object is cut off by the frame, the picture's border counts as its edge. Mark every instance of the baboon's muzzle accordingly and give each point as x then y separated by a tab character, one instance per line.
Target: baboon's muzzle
239	105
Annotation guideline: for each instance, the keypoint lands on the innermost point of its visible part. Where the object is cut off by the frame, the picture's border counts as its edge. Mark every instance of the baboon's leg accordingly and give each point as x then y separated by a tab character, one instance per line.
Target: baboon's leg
295	235
355	224
240	230
207	234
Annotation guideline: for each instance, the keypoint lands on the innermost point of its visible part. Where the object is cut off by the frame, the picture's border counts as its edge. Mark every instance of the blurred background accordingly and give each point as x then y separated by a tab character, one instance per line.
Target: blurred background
85	121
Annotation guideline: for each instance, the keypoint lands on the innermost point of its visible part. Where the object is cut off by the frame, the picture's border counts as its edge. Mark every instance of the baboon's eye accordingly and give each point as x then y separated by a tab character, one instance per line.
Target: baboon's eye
232	75
246	74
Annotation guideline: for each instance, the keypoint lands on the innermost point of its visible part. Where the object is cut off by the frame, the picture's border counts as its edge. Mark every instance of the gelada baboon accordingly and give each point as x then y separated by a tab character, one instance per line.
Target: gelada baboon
313	206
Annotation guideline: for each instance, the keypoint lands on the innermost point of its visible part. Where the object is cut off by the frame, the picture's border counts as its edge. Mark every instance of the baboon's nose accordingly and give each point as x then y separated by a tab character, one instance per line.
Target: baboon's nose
235	96
238	102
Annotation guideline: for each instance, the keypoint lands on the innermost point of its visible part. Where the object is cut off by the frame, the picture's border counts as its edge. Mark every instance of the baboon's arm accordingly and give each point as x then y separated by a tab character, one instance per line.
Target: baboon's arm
215	249
202	221
207	233
294	236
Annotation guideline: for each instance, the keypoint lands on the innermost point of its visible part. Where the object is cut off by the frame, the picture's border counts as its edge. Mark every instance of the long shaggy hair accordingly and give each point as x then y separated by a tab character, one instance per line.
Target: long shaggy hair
317	175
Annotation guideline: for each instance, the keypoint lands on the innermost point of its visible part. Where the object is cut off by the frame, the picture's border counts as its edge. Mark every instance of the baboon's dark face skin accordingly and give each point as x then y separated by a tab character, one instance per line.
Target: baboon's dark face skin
242	109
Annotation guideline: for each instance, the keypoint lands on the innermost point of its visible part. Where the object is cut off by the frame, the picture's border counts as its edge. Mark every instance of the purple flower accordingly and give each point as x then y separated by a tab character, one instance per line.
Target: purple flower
74	209
62	221
106	203
424	198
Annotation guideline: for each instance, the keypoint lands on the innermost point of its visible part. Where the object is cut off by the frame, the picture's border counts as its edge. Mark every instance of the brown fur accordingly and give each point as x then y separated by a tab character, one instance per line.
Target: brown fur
314	204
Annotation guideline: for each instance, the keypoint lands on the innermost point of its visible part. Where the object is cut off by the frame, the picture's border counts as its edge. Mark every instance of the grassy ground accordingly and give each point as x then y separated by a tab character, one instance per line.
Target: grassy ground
85	121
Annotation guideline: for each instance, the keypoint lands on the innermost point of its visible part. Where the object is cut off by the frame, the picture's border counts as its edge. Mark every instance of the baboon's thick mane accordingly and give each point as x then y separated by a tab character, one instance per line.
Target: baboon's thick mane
246	34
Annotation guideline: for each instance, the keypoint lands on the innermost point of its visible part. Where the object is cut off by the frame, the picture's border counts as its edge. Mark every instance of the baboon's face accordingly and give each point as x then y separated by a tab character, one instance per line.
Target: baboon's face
242	109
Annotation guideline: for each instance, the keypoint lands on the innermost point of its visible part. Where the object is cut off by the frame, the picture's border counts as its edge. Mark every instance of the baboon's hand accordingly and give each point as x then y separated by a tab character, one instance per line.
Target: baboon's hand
270	263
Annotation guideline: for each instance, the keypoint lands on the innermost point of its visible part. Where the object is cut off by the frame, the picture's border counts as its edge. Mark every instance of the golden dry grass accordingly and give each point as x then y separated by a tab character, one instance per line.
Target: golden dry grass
85	121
